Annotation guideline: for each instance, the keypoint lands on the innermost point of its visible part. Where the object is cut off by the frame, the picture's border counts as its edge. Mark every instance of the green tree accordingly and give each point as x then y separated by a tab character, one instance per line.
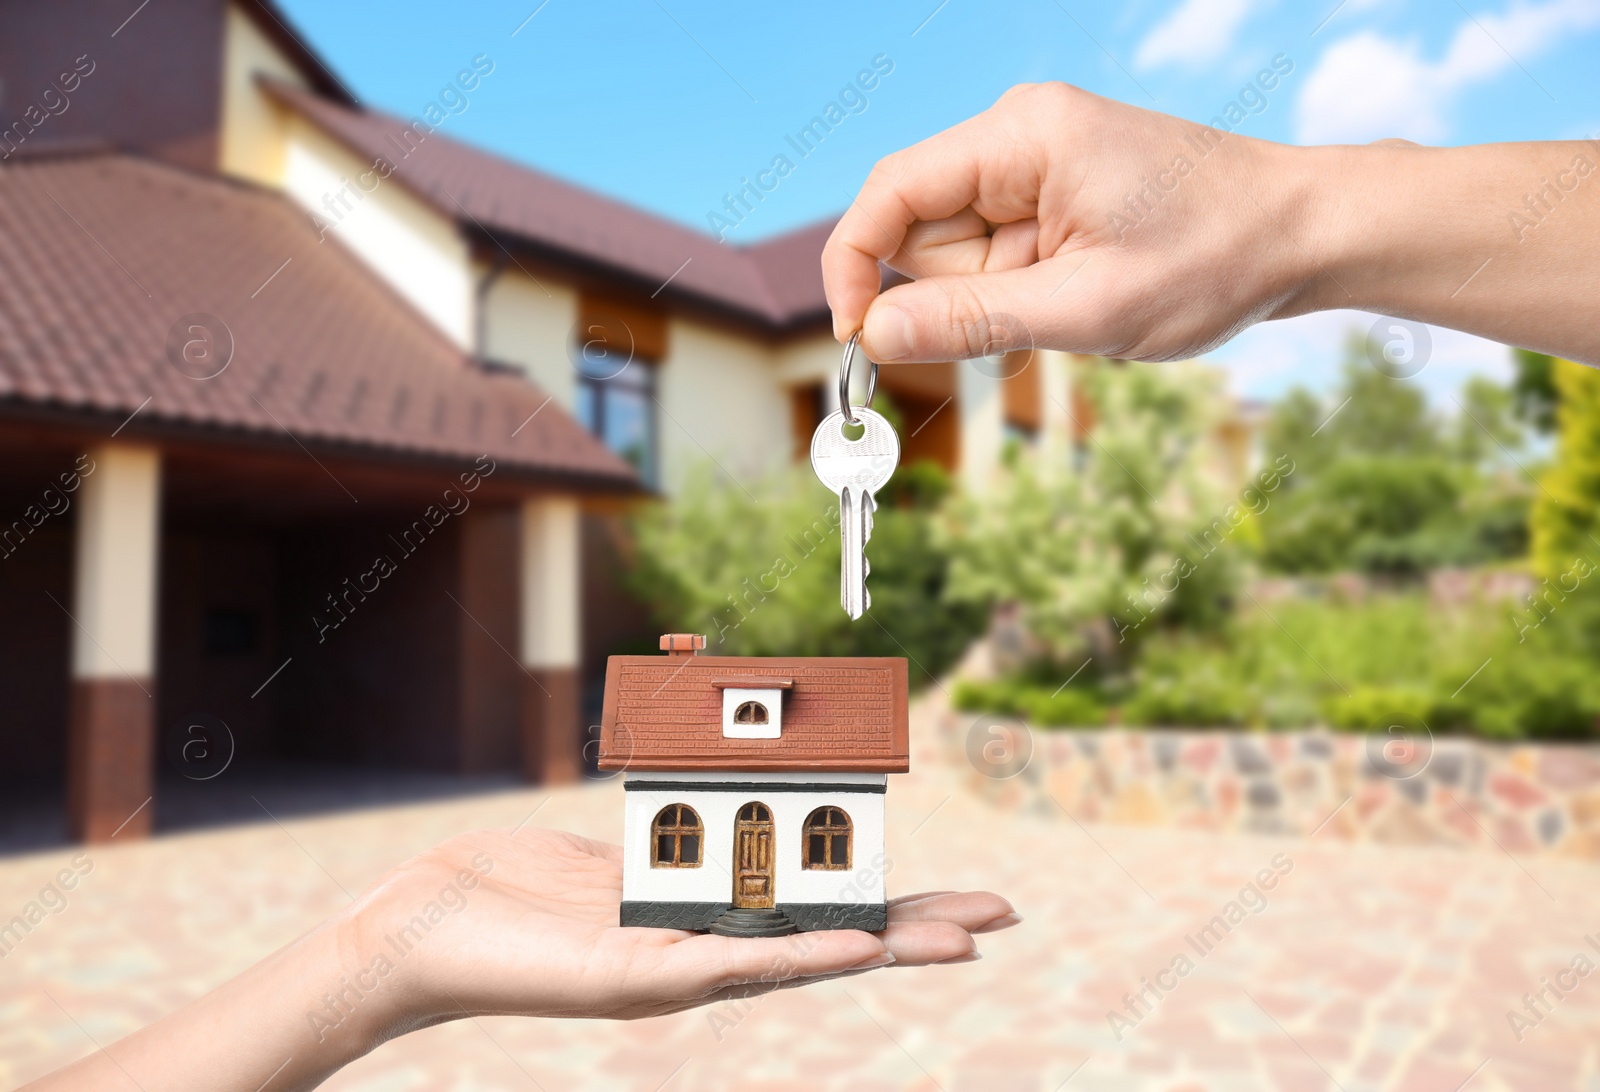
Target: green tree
1383	484
1132	538
1534	389
1487	428
1566	513
1367	413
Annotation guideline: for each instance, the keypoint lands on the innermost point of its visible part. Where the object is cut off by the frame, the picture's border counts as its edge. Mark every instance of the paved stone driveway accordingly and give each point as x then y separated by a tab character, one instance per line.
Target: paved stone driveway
1364	967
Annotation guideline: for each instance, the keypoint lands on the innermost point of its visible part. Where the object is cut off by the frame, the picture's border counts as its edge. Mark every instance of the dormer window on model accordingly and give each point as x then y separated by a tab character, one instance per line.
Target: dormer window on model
752	706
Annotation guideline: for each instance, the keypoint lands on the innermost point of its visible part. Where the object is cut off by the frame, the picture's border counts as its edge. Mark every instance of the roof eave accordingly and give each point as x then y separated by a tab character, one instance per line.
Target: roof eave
152	426
272	21
768	312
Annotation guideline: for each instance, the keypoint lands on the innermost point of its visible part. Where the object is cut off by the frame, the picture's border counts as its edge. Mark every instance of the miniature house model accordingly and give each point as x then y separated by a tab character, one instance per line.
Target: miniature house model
754	786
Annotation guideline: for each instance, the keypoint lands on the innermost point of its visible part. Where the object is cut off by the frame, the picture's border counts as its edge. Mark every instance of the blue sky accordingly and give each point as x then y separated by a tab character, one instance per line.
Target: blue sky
671	104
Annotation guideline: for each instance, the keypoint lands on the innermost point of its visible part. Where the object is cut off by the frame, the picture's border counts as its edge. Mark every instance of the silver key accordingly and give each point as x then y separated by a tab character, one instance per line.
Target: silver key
855	470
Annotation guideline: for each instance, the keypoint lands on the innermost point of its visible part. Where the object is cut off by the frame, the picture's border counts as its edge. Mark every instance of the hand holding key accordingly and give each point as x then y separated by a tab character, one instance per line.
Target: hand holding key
855	470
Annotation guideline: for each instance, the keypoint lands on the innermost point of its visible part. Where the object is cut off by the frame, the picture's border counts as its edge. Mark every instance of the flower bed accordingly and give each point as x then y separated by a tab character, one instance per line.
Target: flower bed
1524	798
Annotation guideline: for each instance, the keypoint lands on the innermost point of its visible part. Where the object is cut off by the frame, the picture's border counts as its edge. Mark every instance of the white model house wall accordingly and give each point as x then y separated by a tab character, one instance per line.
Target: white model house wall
718	809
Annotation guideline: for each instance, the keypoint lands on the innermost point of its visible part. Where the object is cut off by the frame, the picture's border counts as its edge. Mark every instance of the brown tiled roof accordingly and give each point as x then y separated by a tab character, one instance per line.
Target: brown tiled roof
665	713
102	255
778	282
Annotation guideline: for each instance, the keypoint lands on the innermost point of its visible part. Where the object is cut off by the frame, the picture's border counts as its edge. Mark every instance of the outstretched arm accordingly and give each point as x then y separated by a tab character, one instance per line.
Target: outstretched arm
1064	220
490	923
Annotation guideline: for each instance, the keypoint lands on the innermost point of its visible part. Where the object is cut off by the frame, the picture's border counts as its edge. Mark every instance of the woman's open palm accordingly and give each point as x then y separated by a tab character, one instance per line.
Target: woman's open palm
536	934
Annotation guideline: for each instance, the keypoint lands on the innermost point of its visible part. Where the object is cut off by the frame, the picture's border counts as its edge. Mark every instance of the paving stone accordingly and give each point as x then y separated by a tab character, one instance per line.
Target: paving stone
1263	794
1389	964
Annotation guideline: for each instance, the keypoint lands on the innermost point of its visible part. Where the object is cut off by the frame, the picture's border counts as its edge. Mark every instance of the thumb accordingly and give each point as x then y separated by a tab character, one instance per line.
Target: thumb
957	317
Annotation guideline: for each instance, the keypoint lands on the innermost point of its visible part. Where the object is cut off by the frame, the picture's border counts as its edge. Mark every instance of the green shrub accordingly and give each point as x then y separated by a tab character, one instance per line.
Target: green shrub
1135	538
1001	696
1541	689
1203	698
1473	670
1069	708
1361	666
1039	705
1378	708
755	566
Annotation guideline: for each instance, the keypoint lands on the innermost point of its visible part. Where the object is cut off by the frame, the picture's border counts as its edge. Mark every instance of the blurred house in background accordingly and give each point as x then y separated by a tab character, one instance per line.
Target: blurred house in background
250	334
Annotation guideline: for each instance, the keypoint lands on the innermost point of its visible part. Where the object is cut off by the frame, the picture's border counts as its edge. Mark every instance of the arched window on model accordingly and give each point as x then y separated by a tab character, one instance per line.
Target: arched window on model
677	838
827	839
750	712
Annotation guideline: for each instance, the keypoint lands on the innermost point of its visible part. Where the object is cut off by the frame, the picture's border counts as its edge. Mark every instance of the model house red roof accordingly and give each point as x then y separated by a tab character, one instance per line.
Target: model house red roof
101	257
778	281
838	713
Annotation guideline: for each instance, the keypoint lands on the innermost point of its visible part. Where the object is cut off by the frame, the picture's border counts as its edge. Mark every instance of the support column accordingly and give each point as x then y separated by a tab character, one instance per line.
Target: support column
111	711
551	732
982	419
489	725
1056	437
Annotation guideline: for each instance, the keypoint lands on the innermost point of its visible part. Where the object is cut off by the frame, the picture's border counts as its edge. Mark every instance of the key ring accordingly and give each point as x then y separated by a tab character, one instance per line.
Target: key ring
844	380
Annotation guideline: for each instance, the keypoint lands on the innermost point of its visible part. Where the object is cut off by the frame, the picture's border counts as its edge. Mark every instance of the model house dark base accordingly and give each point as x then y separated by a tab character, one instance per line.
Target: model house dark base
806	917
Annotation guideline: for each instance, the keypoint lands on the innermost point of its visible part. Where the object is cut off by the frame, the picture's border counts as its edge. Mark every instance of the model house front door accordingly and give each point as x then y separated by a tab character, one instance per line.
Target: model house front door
752	857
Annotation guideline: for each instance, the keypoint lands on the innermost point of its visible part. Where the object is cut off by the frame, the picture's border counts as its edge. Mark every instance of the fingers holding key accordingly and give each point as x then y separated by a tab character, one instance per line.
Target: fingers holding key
959	316
951	187
965	243
1180	244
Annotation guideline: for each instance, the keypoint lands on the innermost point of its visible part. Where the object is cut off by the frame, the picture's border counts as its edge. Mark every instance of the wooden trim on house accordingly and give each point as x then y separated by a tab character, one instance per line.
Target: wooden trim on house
1022	390
636	330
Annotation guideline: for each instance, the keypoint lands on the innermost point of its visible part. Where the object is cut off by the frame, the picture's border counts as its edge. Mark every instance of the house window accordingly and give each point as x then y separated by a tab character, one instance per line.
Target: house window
616	402
827	840
676	838
750	712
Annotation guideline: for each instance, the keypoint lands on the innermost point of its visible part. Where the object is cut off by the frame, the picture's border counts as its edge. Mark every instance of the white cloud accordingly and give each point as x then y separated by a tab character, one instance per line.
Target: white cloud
1266	360
1368	86
1197	31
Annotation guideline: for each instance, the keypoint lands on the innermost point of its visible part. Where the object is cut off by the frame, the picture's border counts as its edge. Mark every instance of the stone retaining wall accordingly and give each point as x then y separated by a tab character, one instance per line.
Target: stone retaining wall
1522	798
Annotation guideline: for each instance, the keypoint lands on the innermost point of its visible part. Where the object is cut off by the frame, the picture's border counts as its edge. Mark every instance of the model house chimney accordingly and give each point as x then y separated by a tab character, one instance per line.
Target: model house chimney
682	644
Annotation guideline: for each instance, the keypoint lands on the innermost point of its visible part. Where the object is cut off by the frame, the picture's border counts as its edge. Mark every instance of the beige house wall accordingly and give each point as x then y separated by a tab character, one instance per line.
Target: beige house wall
530	323
813	359
721	398
403	240
254	128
